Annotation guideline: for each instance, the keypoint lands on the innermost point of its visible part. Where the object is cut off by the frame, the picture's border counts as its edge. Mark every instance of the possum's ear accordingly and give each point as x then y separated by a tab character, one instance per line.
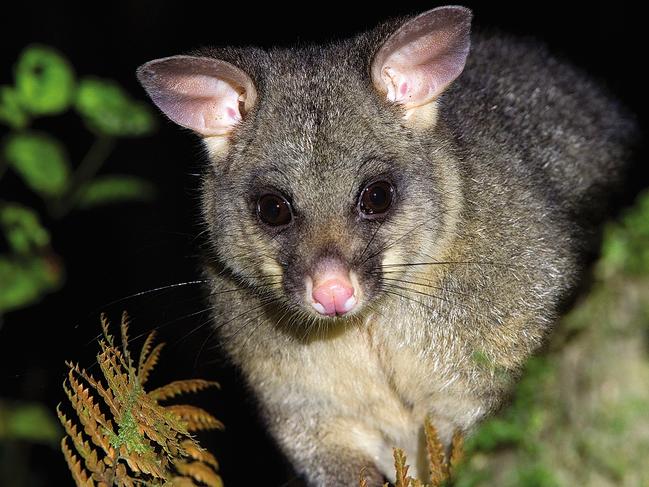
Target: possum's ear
206	95
416	64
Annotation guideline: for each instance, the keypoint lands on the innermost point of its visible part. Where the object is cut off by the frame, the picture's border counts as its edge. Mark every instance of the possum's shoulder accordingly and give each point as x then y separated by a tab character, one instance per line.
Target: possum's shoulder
518	101
520	80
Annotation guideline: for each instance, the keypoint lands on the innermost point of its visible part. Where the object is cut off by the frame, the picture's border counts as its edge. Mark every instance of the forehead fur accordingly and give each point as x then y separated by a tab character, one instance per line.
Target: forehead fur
313	101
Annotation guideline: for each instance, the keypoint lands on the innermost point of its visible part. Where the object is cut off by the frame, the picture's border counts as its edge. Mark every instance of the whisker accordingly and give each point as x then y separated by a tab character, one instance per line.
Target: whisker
370	241
221	325
408	298
448	262
428	285
403	288
391	244
144	293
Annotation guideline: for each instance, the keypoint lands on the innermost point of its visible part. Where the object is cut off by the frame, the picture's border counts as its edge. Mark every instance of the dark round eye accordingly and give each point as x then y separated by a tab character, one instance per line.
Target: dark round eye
376	198
274	210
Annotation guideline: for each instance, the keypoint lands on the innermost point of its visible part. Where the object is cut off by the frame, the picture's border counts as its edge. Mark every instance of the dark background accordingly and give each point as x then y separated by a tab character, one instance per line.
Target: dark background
115	252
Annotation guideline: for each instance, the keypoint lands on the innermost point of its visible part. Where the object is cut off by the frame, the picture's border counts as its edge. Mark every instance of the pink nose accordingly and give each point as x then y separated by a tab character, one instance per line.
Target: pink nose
334	295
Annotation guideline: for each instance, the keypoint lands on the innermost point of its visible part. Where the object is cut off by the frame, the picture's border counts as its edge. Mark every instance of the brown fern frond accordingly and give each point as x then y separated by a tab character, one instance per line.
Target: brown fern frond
122	478
81	478
195	419
140	442
192	450
199	472
182	482
362	481
441	469
147	463
95	423
144	354
179	387
457	452
88	454
150	363
104	393
435	453
125	340
104	328
401	468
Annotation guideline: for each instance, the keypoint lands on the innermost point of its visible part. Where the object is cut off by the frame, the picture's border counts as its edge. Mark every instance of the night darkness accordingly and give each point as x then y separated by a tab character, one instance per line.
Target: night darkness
116	251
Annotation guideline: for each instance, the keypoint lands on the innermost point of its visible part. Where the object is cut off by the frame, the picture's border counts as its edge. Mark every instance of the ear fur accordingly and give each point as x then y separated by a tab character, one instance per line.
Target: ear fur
418	61
206	95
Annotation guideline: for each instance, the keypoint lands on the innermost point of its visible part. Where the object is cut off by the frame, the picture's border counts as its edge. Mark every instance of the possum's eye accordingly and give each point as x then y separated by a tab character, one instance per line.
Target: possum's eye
274	210
376	198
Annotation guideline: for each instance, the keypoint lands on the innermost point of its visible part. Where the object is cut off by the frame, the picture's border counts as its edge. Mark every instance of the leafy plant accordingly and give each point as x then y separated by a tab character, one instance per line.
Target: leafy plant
46	85
578	416
130	437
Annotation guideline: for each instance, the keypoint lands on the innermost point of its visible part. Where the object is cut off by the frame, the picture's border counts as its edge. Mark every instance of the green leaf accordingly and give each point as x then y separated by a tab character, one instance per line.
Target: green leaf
626	243
29	421
109	110
24	281
11	112
115	189
44	80
41	161
23	228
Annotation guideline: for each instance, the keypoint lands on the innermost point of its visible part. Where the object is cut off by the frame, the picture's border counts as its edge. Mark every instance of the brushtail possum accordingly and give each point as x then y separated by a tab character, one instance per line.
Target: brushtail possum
395	221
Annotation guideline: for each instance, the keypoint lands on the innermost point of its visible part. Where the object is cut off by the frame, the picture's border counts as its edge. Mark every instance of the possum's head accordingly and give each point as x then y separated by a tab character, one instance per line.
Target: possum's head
330	172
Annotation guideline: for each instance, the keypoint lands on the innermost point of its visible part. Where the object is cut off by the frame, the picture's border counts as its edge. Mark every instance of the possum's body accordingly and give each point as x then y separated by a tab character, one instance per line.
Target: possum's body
501	183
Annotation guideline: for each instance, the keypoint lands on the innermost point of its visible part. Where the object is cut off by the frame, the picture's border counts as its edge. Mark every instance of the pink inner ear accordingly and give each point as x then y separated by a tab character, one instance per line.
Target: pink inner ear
202	94
418	62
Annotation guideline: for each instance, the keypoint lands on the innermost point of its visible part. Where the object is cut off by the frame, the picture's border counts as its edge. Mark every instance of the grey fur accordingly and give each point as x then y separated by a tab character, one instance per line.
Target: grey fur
511	182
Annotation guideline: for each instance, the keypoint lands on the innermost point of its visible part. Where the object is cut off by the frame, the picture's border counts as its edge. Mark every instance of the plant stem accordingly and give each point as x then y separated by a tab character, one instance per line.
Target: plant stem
91	163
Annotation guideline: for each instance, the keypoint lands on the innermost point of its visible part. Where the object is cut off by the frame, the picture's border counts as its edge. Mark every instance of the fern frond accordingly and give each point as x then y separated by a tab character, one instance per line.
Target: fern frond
144	354
74	464
140	442
192	450
88	410
122	478
179	387
195	418
150	363
146	463
435	452
182	482
88	454
441	469
104	393
401	468
200	472
125	340
104	328
457	452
